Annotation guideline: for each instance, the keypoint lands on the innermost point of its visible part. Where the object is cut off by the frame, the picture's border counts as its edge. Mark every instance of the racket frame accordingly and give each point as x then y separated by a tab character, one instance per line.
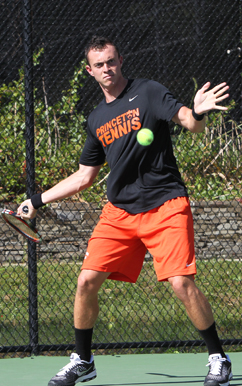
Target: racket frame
8	212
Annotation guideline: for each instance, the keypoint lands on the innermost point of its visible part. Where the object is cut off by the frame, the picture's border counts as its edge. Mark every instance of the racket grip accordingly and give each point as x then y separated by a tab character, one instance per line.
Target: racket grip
25	209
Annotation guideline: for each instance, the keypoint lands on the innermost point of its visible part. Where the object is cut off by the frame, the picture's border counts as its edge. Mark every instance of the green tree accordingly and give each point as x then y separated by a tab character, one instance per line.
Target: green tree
59	135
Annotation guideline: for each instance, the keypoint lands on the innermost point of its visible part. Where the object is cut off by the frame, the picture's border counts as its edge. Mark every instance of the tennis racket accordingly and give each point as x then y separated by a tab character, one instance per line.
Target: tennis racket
25	227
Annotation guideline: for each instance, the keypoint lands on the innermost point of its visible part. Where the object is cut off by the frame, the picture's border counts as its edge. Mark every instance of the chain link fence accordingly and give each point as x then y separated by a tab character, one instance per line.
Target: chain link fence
45	98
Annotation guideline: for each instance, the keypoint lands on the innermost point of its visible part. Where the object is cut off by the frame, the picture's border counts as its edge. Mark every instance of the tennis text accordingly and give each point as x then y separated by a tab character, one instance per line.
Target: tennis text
119	126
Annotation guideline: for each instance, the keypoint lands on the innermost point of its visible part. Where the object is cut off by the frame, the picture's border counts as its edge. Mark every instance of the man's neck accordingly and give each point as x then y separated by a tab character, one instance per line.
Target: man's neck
111	93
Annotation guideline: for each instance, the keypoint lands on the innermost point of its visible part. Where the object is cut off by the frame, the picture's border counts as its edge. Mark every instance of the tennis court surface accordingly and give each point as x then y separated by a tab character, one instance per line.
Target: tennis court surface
120	370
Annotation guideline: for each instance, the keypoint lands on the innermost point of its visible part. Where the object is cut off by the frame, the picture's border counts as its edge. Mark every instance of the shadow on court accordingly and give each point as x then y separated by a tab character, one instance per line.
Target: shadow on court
119	370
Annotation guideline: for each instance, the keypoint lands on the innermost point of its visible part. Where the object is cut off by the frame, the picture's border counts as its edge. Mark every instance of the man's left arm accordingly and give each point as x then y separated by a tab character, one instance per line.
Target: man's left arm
205	100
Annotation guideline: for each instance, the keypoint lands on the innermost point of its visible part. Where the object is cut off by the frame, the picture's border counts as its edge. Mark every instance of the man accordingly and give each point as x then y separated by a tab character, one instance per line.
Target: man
148	204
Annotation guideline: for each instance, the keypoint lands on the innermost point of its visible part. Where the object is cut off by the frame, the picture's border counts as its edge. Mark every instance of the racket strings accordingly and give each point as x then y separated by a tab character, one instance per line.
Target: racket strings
21	226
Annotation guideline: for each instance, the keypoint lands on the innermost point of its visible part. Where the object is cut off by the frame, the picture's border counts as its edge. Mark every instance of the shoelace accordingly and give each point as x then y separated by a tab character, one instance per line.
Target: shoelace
216	365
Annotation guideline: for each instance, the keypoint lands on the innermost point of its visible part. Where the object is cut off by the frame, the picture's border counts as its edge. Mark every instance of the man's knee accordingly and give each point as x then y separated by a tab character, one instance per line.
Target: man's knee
83	283
89	282
183	286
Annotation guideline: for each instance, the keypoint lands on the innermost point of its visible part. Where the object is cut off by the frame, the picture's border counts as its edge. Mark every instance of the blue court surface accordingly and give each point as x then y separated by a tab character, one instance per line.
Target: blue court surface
120	370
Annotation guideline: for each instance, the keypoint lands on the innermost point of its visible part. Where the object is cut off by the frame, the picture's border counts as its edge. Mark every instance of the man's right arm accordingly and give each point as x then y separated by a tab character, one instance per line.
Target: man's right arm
73	184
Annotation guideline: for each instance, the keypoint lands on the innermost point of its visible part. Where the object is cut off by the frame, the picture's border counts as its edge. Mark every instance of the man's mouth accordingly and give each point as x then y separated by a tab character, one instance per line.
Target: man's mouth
109	76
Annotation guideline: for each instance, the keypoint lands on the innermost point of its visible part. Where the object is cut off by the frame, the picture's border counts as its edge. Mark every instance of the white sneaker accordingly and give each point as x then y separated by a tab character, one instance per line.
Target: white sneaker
219	371
75	371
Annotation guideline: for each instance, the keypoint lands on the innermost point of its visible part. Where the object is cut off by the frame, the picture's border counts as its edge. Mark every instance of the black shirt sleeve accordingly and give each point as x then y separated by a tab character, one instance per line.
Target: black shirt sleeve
93	154
162	102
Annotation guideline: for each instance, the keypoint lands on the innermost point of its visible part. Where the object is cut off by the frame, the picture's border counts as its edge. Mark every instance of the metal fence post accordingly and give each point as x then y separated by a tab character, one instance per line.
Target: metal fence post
30	168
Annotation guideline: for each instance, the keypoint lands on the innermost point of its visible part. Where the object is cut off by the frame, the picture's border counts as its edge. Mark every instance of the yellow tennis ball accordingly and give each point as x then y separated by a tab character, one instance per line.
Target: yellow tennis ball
145	137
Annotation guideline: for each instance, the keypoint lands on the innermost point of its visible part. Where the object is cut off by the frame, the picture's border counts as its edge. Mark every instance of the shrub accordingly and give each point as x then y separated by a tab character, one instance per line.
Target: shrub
58	130
210	162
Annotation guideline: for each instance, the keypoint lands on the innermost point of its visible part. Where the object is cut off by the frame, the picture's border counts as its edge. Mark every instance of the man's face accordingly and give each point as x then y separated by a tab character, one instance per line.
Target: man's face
105	66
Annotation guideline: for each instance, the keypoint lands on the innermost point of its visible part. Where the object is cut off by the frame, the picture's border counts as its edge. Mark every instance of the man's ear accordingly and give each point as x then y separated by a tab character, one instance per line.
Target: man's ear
89	70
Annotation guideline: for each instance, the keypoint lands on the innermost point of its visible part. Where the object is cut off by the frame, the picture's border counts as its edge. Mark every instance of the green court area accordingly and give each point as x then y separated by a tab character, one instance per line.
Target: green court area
119	370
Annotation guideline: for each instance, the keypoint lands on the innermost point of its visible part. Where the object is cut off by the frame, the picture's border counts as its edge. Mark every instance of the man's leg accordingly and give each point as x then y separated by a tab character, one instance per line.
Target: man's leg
81	367
196	304
86	301
86	309
200	313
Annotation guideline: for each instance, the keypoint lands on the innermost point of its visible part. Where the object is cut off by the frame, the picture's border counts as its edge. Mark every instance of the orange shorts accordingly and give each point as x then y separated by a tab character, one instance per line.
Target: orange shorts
120	240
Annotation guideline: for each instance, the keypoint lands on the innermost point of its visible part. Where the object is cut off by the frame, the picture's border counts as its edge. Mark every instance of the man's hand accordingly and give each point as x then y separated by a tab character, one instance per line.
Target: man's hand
31	213
206	100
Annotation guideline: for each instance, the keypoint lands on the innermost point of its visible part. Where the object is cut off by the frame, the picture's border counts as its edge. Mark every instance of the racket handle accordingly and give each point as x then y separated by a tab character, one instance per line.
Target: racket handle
25	209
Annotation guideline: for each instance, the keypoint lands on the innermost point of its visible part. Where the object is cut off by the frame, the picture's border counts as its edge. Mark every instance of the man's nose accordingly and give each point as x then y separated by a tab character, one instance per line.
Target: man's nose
106	66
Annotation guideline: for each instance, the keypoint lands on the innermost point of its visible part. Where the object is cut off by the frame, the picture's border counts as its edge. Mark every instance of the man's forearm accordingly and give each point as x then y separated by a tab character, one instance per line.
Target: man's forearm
66	188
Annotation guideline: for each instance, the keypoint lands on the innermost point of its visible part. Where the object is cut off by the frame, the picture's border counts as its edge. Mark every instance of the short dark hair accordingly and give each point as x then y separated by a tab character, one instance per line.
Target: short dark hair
99	43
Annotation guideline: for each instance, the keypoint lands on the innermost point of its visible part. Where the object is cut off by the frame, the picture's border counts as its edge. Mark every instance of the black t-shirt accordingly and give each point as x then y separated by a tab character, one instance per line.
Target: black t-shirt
141	177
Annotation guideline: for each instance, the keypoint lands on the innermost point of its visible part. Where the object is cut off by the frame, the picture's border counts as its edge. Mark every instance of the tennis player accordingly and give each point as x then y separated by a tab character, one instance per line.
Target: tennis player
148	206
